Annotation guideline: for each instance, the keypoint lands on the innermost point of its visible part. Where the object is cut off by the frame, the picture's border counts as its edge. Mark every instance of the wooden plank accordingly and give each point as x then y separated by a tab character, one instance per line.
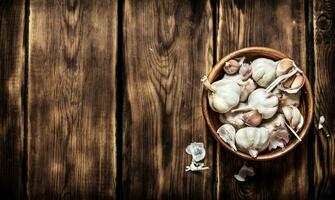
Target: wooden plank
167	48
279	25
72	64
324	55
12	67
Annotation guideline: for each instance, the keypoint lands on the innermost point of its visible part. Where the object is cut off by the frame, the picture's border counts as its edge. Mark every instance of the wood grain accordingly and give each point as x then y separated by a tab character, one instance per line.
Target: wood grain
279	25
72	62
167	48
12	60
324	55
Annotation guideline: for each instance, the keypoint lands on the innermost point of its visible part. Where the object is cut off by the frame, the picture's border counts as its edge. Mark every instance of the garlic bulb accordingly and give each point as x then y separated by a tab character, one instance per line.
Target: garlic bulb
294	117
265	103
197	150
252	140
293	84
227	133
279	134
223	95
234	118
263	71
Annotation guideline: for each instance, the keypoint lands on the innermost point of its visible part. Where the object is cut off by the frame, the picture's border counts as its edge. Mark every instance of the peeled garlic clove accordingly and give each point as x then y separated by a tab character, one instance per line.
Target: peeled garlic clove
227	133
197	150
252	118
223	95
279	134
243	173
246	88
263	71
284	66
294	117
252	140
231	67
293	84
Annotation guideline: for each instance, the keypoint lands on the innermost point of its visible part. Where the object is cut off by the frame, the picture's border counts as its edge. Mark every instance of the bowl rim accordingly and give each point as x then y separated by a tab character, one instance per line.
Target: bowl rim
279	152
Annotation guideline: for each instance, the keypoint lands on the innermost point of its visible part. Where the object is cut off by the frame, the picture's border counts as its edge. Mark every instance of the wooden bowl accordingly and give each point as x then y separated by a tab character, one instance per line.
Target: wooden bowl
212	118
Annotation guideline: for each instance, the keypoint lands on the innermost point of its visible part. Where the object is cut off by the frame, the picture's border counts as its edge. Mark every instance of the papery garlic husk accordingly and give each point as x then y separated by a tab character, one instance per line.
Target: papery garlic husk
245	71
246	88
223	95
265	103
284	66
279	134
227	133
231	67
293	84
234	118
263	71
197	150
252	118
252	140
293	117
244	172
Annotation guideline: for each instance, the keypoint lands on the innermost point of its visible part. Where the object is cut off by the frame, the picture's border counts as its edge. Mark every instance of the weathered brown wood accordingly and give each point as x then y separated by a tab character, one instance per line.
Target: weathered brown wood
12	60
72	64
279	25
324	56
167	48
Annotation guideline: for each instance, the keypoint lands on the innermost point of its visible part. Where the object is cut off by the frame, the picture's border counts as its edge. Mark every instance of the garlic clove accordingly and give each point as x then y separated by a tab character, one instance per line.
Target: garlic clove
227	133
233	118
248	87
231	67
279	134
245	71
294	117
284	66
252	118
197	150
293	84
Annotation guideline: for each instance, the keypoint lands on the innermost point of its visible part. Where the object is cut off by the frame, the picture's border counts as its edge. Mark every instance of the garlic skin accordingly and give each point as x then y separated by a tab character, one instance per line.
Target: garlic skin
252	140
293	84
279	134
284	66
263	71
232	66
287	99
227	133
252	118
223	95
248	87
244	172
197	150
294	117
234	118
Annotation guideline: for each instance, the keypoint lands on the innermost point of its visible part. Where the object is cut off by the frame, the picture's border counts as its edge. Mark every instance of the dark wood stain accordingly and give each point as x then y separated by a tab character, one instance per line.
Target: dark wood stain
324	54
12	59
71	136
167	48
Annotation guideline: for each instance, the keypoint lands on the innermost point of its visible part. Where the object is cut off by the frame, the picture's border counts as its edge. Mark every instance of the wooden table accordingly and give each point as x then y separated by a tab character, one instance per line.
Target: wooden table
99	99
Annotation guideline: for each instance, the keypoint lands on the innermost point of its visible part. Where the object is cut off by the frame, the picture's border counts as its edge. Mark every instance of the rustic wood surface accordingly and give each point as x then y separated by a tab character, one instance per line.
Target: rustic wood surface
72	100
12	97
99	99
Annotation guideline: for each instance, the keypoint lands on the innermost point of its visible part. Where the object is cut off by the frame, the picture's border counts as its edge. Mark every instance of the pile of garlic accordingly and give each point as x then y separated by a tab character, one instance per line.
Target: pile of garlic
257	103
